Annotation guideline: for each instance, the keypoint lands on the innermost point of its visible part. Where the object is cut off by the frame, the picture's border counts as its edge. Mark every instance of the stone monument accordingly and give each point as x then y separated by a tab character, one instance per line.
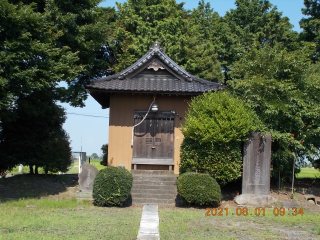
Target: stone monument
86	179
256	171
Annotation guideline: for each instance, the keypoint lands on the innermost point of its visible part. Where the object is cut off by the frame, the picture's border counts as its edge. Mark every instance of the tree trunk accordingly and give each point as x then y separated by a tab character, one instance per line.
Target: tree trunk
36	170
31	169
46	170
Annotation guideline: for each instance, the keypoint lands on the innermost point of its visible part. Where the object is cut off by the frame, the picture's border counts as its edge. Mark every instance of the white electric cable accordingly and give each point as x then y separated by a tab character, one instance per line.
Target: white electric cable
140	123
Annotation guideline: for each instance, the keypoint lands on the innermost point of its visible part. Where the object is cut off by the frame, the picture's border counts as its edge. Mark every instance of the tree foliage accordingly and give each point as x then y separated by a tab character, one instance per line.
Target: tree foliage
42	44
104	149
215	127
29	60
251	24
94	156
48	42
284	94
311	25
56	153
140	23
34	136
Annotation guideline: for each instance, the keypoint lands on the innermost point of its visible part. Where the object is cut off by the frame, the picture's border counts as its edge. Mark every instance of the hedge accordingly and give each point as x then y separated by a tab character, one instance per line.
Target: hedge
112	186
199	189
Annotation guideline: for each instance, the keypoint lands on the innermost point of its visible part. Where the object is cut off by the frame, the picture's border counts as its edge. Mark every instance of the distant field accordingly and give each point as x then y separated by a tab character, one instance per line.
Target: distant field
96	163
309	173
74	168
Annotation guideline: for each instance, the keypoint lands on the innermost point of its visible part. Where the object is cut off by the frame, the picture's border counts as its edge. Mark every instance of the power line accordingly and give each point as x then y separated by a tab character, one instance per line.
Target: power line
86	115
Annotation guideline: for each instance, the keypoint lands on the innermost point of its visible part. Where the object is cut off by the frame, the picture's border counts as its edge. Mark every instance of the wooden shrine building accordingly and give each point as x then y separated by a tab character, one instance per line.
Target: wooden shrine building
155	83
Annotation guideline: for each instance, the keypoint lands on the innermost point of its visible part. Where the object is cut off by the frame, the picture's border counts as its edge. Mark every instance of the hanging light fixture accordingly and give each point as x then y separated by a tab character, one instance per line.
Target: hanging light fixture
154	107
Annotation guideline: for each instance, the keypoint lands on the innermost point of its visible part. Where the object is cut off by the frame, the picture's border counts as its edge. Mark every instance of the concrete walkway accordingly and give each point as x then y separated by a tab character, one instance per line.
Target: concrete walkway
149	225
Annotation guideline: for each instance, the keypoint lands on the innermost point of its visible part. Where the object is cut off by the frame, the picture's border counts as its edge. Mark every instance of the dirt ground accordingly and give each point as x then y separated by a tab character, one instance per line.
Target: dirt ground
301	187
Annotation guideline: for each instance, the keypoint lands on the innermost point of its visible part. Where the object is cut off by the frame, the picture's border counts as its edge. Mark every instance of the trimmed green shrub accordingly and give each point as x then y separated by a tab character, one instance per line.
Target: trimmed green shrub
219	117
215	127
223	163
112	186
199	189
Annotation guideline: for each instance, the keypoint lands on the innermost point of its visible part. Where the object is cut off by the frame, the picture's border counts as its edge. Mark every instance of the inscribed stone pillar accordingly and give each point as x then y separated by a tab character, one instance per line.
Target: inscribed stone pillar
86	179
256	164
82	159
256	171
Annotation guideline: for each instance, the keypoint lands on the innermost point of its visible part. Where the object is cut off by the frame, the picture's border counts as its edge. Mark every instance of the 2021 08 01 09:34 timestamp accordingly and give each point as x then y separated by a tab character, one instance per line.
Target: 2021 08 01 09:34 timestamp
253	212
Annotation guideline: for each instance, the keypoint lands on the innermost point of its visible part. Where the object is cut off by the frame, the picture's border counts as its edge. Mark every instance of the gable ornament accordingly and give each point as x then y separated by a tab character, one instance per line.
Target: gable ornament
155	65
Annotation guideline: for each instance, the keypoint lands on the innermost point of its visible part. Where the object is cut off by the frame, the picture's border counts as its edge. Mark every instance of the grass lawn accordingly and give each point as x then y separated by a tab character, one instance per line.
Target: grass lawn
309	173
66	219
44	207
193	224
96	163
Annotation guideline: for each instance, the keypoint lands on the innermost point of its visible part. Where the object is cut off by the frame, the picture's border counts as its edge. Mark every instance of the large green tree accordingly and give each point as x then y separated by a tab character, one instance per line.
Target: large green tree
204	43
44	43
254	23
28	57
184	36
278	85
311	25
35	137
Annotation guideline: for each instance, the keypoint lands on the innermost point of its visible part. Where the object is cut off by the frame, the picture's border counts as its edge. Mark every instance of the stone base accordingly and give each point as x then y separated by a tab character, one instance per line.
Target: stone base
255	200
84	195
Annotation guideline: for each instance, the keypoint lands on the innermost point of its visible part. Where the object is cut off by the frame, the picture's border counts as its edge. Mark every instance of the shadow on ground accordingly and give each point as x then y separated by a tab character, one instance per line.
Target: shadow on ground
35	186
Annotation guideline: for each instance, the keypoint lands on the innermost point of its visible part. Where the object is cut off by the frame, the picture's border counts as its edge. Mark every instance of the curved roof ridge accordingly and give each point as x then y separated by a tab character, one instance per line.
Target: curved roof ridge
200	80
156	49
156	53
172	64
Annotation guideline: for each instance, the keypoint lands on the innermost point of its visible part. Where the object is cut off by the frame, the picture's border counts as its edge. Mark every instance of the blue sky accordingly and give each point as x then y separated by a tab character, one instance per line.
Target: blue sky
92	132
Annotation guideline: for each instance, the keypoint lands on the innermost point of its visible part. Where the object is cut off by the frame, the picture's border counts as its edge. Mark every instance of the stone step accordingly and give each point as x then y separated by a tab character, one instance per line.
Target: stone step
146	201
152	183
155	178
163	205
153	191
153	187
153	172
168	196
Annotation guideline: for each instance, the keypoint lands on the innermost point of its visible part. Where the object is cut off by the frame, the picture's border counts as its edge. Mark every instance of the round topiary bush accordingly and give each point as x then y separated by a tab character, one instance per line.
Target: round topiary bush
199	189
112	186
216	125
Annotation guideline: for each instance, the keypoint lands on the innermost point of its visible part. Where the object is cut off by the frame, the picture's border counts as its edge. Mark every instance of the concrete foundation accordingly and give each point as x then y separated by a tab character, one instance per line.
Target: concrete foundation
255	200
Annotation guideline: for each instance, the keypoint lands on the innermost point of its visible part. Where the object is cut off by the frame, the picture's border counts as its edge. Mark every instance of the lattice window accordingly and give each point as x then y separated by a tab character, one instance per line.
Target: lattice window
148	141
157	141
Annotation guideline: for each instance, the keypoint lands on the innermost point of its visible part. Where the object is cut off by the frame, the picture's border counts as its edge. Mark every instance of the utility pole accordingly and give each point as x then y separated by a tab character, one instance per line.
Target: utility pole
80	158
294	163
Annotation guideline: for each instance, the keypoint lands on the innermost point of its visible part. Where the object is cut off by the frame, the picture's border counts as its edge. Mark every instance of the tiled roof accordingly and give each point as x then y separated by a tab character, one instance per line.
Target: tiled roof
162	83
177	80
